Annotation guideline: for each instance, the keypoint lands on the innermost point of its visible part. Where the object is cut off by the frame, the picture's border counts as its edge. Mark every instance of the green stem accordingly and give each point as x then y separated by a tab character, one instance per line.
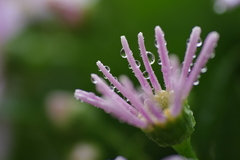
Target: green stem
185	149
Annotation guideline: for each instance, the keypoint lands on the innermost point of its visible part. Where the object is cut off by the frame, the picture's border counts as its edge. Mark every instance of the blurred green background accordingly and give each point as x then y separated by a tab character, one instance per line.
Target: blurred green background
48	60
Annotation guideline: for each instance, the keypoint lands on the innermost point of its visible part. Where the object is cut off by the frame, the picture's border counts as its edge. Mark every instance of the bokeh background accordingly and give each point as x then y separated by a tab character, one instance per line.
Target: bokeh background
50	49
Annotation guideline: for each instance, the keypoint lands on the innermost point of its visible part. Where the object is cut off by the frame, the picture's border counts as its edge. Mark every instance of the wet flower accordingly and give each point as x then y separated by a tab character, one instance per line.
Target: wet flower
163	114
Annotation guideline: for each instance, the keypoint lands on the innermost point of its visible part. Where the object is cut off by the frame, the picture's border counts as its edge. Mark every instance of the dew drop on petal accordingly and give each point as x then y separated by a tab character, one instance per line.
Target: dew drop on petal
189	70
107	68
112	88
155	43
212	55
93	80
151	57
105	77
188	40
122	53
191	64
146	75
196	83
194	56
199	43
129	66
159	62
125	99
137	63
204	70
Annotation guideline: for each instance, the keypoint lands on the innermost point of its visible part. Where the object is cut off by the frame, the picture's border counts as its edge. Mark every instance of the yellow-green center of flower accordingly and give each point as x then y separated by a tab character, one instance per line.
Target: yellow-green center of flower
164	98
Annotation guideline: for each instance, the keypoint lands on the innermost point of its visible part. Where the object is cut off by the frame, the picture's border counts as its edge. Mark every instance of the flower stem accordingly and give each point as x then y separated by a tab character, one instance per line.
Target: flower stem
185	149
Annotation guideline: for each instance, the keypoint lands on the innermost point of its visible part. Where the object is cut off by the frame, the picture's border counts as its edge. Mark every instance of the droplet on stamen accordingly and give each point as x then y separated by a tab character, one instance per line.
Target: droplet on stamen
146	75
122	53
151	57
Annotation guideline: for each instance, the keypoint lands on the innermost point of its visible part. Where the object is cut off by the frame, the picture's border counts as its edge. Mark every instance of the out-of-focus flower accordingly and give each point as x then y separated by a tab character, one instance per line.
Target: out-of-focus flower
120	158
84	151
5	139
222	6
15	15
163	114
174	157
60	107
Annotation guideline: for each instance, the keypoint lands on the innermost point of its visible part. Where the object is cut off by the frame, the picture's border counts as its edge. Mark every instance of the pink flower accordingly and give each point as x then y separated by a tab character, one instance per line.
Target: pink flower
221	6
152	105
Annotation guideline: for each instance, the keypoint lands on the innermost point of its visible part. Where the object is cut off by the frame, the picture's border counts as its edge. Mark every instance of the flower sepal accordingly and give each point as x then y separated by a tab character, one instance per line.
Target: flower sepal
174	130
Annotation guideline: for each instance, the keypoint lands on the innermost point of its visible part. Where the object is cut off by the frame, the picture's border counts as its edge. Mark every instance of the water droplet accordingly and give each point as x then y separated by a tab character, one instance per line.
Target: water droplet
155	43
117	91
127	100
189	70
159	62
199	43
146	75
198	77
116	78
212	55
194	56
112	88
122	53
137	63
188	41
93	80
105	77
107	68
196	83
191	64
151	57
204	70
129	66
